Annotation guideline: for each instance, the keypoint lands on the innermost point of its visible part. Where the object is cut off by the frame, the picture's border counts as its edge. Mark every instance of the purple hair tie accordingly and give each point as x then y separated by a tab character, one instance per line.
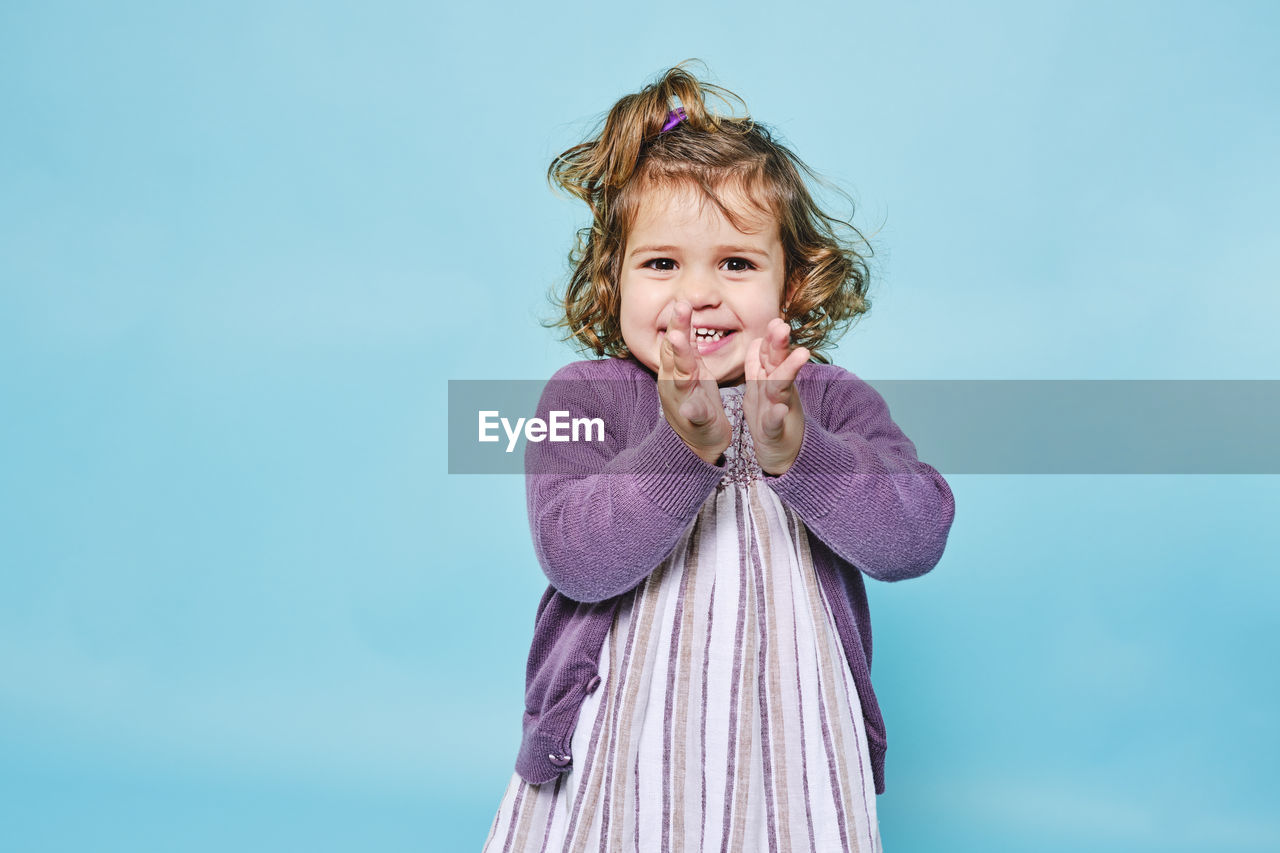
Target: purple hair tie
673	118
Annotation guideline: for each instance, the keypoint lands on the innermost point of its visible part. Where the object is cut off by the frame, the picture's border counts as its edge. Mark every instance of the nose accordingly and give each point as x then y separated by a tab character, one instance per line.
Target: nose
699	288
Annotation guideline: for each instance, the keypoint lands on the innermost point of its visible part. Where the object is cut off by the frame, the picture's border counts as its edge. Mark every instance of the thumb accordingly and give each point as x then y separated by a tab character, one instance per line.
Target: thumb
694	411
774	419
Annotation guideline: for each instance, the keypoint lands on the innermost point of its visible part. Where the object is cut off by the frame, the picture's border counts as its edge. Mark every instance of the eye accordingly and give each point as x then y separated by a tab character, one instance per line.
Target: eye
747	265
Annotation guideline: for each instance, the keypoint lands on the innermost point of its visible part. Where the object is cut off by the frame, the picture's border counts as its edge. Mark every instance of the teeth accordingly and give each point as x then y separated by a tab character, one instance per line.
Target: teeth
708	334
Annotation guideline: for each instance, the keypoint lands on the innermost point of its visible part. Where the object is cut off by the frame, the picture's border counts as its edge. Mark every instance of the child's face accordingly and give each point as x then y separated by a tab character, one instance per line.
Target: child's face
733	280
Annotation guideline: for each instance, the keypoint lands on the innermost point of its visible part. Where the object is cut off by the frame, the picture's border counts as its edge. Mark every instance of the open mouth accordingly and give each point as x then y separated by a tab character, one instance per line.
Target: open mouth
709	335
709	340
706	335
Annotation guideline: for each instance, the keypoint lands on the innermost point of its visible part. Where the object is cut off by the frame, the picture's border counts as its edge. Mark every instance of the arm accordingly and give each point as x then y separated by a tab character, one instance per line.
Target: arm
858	486
603	515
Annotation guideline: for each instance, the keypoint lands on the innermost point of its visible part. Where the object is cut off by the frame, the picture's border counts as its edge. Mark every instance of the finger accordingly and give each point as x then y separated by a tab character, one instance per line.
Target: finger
781	384
767	355
667	356
680	316
777	336
678	333
790	367
684	363
667	350
700	370
783	333
752	366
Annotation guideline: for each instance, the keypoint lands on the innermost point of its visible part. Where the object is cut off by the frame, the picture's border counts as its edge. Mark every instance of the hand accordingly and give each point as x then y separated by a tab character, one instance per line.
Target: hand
690	396
771	401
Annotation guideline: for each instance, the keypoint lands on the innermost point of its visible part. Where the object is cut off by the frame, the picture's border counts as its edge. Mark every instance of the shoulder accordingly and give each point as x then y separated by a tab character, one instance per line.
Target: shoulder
609	386
814	371
599	368
831	387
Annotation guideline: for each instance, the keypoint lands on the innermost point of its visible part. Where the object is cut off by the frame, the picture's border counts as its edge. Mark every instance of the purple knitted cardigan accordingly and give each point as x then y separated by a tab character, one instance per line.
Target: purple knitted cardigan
604	514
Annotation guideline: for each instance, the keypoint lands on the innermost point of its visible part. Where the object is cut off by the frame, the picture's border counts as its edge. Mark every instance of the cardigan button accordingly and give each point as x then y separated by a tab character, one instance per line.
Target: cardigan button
593	684
560	760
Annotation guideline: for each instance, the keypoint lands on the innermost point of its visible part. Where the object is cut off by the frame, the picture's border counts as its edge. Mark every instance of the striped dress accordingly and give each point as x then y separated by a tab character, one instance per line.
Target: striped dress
727	718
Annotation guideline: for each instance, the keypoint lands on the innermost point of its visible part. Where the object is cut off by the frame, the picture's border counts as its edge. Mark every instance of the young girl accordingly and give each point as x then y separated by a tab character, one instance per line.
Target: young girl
699	677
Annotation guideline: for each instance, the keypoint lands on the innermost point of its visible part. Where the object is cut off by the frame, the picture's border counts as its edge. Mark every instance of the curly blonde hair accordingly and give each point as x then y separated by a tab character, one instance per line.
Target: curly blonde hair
826	277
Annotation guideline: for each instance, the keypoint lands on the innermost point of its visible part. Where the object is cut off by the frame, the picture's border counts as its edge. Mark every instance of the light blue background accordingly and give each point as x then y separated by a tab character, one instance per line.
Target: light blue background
243	246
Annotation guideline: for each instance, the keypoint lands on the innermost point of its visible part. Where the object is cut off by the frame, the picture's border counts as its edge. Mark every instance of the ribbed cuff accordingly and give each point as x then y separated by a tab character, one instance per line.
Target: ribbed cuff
819	477
670	474
534	761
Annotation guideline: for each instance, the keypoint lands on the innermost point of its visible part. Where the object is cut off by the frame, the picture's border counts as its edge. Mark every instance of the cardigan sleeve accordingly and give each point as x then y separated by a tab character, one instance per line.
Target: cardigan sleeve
604	514
858	486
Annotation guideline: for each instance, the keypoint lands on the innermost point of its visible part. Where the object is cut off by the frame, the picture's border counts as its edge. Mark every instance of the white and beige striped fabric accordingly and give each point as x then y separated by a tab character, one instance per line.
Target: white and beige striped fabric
727	718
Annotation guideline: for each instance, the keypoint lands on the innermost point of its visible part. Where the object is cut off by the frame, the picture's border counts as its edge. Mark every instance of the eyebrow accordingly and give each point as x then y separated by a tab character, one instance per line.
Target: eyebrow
743	250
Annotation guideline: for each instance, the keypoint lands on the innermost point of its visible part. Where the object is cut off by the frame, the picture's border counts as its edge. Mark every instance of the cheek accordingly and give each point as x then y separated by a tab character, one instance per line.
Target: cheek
764	311
627	314
636	312
633	323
